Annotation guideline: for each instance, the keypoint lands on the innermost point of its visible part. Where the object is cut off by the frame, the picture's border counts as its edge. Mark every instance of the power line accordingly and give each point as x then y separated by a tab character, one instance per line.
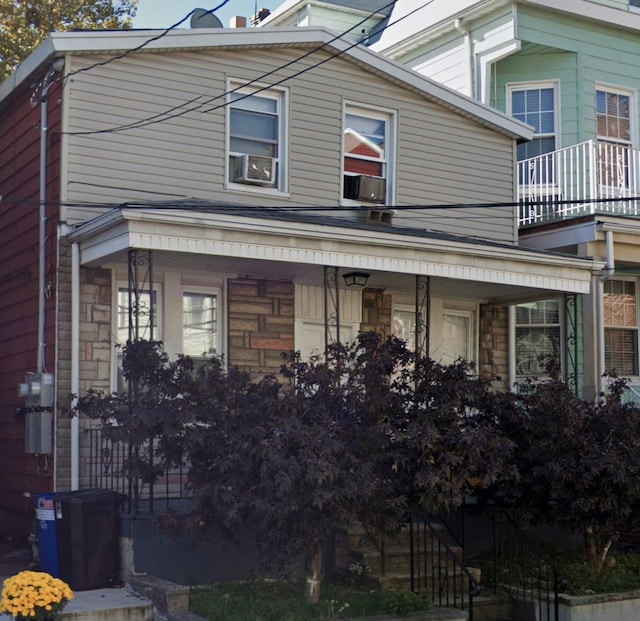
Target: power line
168	114
190	203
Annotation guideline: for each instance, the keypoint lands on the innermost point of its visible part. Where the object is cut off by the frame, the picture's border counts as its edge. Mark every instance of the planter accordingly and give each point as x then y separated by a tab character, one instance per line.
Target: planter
601	607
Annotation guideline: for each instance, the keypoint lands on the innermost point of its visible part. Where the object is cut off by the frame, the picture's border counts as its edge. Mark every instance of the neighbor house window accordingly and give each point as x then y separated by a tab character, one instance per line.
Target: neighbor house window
200	325
537	336
614	134
621	327
367	164
535	105
256	137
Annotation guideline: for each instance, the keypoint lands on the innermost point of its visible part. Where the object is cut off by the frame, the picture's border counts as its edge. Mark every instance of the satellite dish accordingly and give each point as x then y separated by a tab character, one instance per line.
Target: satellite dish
201	18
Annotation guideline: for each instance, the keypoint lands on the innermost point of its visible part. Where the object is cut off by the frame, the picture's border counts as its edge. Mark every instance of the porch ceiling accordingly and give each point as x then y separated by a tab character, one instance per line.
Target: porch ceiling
297	248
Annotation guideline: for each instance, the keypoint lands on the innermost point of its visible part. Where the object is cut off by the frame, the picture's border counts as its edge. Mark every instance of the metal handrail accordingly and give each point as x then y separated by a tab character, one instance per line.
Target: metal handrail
437	569
521	569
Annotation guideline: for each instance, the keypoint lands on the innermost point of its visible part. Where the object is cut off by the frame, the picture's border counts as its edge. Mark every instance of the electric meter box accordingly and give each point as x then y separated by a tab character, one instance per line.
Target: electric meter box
37	389
38	432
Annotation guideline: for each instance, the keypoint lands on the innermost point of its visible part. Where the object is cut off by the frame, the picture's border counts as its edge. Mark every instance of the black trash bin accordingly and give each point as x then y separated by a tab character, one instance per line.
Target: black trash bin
88	529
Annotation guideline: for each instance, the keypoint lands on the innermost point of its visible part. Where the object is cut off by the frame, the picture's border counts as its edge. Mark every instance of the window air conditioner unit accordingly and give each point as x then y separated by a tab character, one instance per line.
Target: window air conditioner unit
255	169
365	188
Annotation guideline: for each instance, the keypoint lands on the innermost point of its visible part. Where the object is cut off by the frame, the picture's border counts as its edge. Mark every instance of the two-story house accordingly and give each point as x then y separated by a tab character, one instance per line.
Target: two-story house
241	192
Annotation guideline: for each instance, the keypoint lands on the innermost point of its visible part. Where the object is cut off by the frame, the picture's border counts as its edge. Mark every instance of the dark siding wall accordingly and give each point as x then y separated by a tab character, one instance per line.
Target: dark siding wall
22	476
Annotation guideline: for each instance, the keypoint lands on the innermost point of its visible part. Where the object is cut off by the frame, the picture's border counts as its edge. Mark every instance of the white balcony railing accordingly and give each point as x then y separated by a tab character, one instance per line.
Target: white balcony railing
587	178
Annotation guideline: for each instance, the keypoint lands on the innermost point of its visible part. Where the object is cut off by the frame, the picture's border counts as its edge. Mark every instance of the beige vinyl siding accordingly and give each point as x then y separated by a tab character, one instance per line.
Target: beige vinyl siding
442	157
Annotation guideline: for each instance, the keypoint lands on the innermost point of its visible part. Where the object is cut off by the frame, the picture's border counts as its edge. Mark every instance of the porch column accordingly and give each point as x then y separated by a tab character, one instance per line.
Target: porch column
423	319
331	307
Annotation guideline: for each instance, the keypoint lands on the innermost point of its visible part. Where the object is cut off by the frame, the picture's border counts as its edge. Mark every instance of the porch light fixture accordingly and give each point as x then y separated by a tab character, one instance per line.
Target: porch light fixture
356	279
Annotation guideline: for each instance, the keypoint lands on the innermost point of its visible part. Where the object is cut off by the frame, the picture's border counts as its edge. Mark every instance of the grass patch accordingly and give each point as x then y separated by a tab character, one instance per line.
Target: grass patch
284	601
576	576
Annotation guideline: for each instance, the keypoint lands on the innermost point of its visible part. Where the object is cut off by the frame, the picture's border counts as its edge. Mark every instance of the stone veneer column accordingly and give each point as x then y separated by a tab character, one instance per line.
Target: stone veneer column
494	344
376	312
260	324
94	361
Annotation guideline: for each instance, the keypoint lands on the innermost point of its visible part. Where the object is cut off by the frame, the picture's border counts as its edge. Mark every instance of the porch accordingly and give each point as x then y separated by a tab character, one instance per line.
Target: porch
584	179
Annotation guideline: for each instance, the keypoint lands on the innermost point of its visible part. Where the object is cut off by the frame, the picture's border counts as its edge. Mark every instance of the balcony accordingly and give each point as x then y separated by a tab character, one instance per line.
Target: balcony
584	179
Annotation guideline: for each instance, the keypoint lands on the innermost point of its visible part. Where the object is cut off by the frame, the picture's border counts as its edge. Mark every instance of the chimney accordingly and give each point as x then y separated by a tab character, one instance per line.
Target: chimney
238	22
261	15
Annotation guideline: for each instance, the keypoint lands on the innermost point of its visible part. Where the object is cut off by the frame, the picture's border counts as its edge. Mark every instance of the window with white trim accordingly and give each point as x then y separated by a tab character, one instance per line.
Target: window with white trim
614	135
147	330
457	336
537	337
403	324
535	104
367	163
200	324
620	306
256	137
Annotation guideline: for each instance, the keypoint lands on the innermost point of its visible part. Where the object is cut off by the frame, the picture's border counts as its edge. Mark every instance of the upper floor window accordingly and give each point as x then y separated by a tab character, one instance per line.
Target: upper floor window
257	137
621	327
537	337
367	155
614	134
535	105
634	3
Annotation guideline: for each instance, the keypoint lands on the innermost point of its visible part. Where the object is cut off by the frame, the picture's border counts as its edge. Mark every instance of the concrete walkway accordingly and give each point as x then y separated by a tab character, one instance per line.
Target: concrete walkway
112	604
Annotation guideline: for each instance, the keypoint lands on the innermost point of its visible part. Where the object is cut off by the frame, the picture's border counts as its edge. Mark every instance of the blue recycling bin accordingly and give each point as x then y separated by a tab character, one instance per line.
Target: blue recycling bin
47	534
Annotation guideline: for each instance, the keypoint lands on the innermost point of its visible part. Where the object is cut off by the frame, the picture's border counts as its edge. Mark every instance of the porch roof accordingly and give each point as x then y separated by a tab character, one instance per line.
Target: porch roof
286	243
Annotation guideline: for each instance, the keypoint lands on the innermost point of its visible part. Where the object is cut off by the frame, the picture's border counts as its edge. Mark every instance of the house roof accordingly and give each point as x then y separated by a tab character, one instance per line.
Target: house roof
427	23
381	7
296	245
60	44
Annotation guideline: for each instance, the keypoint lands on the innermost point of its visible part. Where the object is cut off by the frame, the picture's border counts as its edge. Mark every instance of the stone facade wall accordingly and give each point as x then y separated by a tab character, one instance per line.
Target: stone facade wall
376	312
94	361
494	344
260	324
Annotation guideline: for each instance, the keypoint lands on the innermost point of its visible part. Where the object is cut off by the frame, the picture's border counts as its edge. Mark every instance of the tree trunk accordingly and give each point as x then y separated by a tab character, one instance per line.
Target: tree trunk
314	574
596	553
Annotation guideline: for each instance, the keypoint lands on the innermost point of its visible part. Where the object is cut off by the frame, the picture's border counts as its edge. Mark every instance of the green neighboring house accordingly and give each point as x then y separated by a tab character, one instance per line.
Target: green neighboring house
570	69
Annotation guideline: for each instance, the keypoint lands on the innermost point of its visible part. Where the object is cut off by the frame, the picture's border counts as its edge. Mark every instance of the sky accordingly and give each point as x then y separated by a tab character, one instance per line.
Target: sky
165	13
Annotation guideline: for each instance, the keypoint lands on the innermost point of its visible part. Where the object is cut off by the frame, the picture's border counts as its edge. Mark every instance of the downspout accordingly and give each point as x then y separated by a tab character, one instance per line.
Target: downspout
467	51
599	311
75	364
47	83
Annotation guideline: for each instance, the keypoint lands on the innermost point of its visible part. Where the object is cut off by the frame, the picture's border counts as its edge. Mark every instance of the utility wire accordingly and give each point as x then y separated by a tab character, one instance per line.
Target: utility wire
191	203
179	111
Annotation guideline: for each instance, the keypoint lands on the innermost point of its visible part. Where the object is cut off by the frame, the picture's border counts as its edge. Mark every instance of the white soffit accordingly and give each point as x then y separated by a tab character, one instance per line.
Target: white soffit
264	240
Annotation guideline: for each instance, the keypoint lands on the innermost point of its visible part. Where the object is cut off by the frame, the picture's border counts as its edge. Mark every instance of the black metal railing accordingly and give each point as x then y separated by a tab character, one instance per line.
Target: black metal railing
112	465
518	567
437	565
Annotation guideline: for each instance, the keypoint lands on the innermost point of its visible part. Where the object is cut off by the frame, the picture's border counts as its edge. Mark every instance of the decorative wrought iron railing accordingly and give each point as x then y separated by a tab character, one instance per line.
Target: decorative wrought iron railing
519	568
587	178
114	464
437	565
